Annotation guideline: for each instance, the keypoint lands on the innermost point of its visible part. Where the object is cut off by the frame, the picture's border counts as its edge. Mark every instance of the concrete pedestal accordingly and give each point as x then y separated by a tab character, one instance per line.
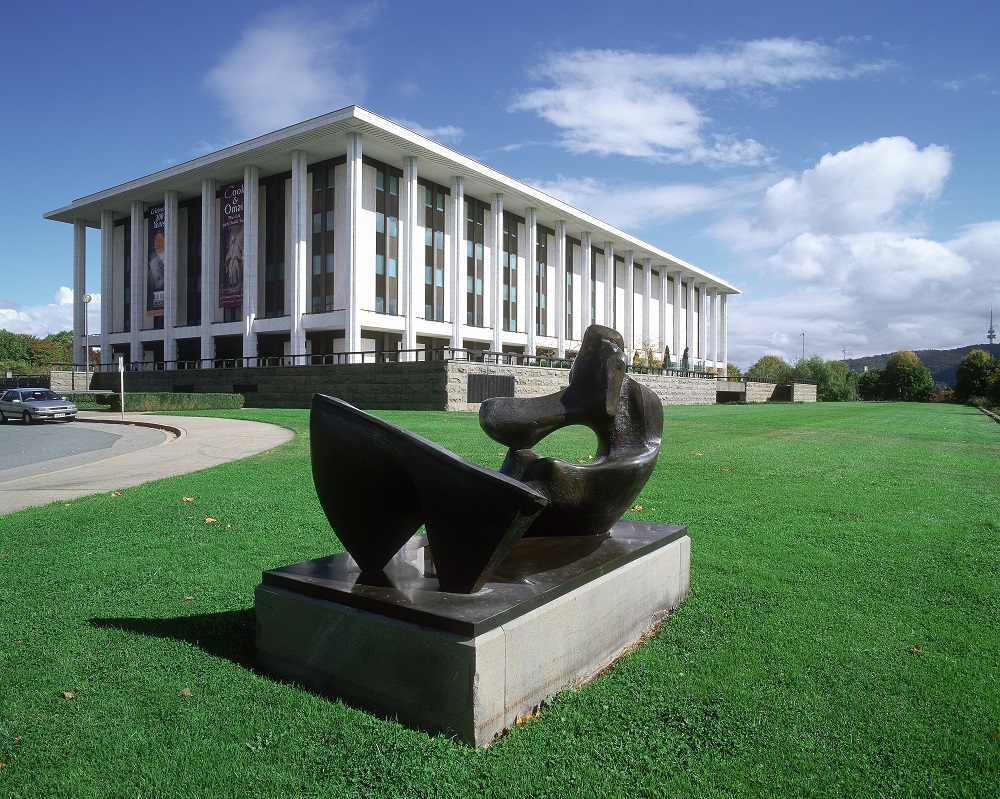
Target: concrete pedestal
555	613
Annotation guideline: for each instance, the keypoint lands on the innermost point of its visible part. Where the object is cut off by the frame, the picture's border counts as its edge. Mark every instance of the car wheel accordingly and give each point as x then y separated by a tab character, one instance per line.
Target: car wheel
27	417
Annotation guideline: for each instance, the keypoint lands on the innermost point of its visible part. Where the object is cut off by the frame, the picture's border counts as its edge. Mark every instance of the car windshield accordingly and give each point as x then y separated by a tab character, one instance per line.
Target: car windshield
38	396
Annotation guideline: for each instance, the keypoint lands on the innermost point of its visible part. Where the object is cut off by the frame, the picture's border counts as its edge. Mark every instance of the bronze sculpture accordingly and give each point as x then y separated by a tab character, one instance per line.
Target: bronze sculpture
378	483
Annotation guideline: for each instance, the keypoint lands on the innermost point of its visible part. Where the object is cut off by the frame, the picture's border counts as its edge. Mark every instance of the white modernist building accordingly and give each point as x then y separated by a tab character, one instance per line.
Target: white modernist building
348	235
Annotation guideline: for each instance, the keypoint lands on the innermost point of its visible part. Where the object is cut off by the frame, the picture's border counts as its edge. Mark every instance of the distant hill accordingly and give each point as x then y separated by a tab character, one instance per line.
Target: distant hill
942	364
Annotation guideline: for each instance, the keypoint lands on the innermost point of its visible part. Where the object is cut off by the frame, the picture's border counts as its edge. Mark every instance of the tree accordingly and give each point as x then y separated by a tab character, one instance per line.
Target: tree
732	370
870	385
973	375
686	360
770	369
906	379
841	384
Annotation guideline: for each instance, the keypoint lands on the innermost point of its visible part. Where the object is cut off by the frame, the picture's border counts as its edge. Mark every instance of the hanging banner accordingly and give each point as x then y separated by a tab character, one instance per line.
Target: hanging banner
231	246
154	257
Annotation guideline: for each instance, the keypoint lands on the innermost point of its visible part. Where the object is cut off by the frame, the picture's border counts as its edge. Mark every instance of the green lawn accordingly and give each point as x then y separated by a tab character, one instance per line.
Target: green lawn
842	635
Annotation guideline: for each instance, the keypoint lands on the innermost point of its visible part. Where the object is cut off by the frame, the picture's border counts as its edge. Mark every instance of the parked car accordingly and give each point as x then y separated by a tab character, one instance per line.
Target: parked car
34	405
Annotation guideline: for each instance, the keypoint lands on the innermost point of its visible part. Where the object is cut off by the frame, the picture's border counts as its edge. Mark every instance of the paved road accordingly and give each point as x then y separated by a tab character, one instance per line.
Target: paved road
98	453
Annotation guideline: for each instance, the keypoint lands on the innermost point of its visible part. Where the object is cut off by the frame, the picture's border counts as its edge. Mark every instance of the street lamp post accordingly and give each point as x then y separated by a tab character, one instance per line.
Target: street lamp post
87	299
803	345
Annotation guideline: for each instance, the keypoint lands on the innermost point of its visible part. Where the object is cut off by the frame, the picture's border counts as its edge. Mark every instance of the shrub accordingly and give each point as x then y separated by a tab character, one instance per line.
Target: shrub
168	401
973	375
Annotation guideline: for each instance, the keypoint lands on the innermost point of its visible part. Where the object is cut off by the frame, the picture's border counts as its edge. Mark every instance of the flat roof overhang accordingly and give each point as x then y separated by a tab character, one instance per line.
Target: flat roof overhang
383	140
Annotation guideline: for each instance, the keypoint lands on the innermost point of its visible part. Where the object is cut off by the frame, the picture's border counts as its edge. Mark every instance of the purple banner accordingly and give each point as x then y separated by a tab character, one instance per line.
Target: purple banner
231	246
154	259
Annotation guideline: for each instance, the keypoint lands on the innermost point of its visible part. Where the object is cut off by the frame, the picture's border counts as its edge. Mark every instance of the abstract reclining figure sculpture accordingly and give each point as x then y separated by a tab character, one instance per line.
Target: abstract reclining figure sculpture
378	483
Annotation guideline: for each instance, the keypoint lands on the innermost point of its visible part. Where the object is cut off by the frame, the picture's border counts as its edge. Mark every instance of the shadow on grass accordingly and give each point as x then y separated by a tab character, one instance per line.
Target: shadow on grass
229	634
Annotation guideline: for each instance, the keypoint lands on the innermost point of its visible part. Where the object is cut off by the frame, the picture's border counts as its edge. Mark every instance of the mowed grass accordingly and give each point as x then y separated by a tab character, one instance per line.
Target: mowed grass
841	638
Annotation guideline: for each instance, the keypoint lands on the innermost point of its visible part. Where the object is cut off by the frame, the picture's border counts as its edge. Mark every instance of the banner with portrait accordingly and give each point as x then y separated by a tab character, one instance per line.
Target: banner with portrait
231	246
155	269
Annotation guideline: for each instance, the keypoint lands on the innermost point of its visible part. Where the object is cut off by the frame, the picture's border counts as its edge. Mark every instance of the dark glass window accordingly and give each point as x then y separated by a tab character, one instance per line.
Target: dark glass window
475	242
594	254
126	226
434	203
274	245
192	276
509	269
387	181
541	280
570	243
323	213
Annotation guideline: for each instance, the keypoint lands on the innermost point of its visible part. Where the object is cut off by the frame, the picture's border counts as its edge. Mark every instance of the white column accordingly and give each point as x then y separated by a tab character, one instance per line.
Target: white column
609	285
560	293
702	321
629	300
352	332
410	265
209	248
108	299
689	340
79	289
251	259
170	248
531	273
724	332
586	292
298	233
713	328
496	272
138	288
458	260
647	297
677	302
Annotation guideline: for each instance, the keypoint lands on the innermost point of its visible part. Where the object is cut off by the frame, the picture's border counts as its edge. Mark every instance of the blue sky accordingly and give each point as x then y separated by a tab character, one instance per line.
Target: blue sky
838	162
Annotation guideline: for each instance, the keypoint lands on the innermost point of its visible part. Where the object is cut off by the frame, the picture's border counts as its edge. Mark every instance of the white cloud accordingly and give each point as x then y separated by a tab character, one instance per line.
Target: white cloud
645	105
630	206
838	258
54	317
290	65
445	134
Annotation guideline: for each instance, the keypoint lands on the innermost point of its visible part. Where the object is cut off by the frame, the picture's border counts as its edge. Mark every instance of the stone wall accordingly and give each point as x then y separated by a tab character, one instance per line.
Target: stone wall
804	392
423	385
67	382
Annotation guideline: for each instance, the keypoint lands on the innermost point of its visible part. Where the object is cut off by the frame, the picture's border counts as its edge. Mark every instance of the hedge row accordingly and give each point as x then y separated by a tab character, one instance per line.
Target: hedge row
139	402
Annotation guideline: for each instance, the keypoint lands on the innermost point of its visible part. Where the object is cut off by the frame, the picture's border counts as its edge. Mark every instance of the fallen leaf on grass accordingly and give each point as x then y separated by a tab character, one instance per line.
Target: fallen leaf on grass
210	520
189	597
184	692
723	469
995	734
637	508
116	493
916	650
68	694
696	454
188	499
526	718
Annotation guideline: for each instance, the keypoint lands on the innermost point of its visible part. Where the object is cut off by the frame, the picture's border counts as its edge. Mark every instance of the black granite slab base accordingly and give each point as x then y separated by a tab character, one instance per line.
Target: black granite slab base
537	571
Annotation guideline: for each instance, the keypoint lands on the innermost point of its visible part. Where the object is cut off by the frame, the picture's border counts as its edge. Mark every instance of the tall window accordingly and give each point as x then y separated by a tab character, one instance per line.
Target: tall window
126	226
274	245
542	280
613	288
509	269
433	250
387	239
192	277
570	244
323	217
475	239
594	255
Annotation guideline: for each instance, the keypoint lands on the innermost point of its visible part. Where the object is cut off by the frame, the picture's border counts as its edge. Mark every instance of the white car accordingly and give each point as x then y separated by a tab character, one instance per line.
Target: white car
34	405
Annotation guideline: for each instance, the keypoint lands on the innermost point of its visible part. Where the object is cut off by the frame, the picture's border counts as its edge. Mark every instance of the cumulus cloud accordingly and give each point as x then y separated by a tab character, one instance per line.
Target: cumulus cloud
290	65
838	255
53	317
646	105
630	206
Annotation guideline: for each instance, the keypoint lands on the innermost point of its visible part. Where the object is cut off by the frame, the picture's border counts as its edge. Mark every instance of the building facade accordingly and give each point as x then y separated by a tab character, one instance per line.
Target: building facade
348	235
